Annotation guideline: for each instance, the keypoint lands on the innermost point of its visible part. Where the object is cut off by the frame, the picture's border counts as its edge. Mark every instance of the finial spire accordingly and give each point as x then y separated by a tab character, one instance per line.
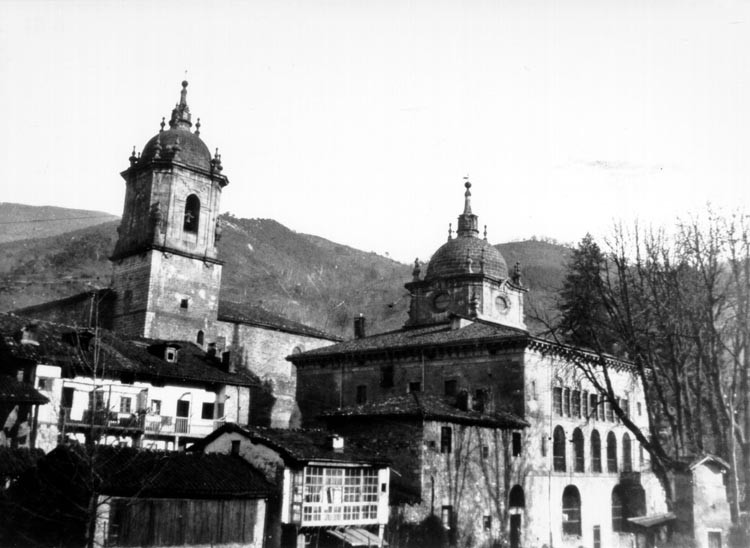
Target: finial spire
161	126
467	221
450	231
485	233
133	158
417	270
181	112
467	196
198	128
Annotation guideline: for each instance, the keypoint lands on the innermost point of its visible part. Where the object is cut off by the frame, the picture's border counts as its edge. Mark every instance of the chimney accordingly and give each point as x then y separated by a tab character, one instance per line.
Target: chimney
227	362
359	327
211	350
337	444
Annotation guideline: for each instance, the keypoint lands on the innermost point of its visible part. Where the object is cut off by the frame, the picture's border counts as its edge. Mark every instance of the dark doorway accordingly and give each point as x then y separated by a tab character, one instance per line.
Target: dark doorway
515	531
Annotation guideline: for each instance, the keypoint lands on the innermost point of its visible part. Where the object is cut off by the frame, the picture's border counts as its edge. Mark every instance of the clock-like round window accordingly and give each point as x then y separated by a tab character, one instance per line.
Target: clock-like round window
502	303
441	301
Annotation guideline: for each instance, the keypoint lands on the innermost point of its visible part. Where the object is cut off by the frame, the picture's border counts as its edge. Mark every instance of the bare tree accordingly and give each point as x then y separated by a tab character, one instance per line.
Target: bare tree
676	306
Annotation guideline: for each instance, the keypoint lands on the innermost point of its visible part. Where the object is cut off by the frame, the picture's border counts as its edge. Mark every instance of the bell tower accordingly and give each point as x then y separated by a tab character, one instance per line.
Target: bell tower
166	271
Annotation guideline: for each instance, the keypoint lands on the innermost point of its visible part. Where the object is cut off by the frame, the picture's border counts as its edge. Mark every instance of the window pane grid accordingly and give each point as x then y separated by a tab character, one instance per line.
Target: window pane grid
333	495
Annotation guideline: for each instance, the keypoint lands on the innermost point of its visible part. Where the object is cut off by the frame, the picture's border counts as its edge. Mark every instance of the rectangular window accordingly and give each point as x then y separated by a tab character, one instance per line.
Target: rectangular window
415	386
451	387
156	407
485	451
386	376
575	403
447	517
610	411
557	401
446	439
44	383
640	409
207	411
585	405
481	399
566	402
96	401
625	405
67	397
125	404
516	444
184	303
594	406
487	522
361	394
544	445
597	536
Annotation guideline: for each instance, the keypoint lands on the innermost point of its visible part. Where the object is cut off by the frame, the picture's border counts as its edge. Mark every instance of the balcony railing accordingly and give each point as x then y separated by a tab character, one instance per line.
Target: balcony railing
148	423
181	425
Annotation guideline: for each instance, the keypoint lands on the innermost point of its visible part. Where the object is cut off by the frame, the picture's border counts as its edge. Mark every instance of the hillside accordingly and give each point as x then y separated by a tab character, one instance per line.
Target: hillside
303	277
21	222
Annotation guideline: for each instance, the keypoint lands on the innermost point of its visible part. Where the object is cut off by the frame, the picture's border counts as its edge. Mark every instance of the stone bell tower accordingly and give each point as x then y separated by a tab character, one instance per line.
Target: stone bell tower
166	271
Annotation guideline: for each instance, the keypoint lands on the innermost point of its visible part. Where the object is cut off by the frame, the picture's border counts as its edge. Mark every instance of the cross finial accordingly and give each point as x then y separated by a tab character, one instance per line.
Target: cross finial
197	126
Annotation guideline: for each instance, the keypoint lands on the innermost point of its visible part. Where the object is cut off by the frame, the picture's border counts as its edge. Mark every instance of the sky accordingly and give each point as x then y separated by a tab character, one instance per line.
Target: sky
357	121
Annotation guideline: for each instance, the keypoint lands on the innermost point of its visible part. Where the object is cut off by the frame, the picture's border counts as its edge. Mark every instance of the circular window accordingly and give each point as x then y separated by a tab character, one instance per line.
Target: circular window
441	301
502	303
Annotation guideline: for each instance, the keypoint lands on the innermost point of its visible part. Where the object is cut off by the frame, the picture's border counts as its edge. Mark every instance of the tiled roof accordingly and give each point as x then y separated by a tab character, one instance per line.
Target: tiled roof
426	407
14	391
230	311
441	334
126	471
302	446
117	355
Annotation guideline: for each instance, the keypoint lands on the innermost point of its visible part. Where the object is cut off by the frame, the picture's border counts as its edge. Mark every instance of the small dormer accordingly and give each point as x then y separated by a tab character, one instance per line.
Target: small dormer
167	351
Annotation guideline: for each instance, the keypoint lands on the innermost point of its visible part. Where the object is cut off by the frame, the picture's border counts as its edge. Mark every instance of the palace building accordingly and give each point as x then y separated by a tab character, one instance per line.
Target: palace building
527	429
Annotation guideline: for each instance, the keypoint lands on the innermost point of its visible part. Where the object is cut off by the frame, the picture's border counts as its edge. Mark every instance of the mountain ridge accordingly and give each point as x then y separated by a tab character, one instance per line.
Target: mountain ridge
304	277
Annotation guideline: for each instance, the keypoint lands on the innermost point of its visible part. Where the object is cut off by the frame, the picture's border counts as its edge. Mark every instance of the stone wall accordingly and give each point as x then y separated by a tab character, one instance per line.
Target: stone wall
263	351
499	374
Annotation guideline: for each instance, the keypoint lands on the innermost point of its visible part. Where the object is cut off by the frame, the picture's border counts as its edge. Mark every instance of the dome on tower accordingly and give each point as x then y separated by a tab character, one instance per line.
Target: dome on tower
467	253
464	255
178	142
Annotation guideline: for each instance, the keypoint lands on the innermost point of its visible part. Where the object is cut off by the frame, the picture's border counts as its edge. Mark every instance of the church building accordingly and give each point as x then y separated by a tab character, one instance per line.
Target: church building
166	283
534	429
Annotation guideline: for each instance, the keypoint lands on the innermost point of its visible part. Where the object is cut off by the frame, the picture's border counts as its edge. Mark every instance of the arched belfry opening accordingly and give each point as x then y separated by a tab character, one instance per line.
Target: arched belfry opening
192	213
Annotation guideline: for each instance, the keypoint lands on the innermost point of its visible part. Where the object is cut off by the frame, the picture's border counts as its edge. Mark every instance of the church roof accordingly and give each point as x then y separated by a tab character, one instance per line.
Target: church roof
230	311
467	253
426	407
418	337
179	143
